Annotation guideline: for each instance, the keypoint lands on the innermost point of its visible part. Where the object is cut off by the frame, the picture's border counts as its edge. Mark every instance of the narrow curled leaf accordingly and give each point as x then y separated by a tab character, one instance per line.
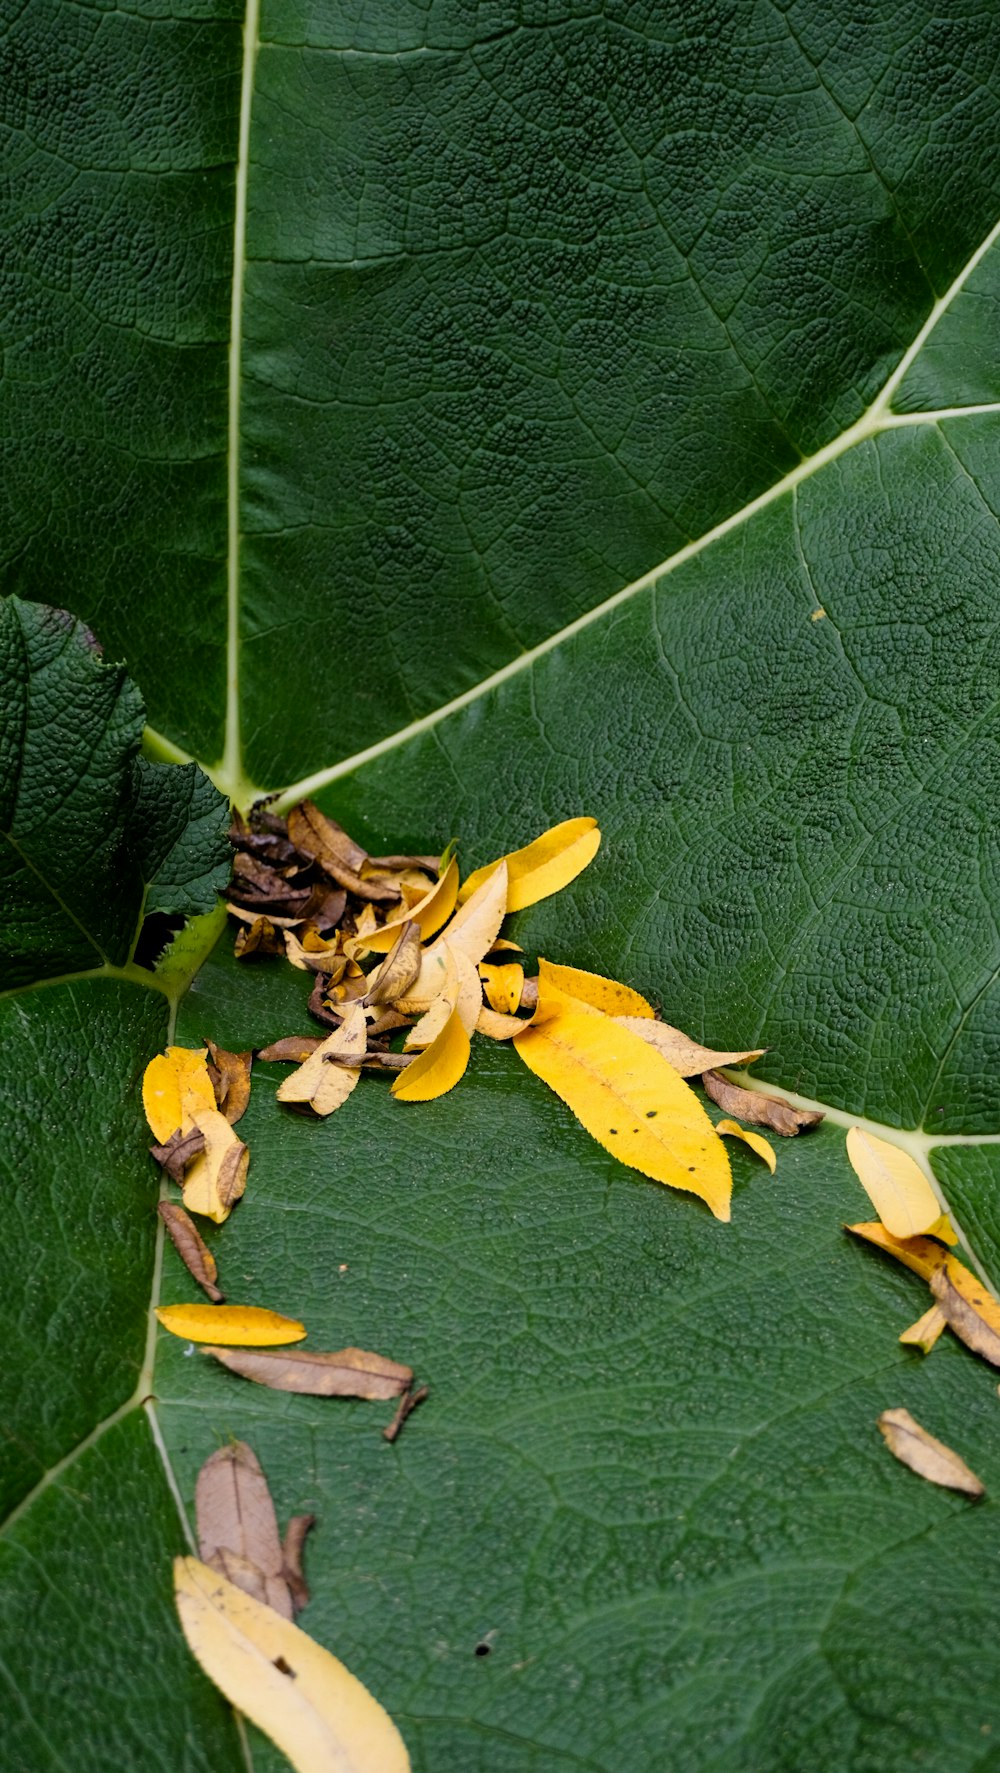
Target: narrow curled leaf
756	1141
322	838
323	1085
503	986
921	1254
894	1183
759	1109
497	1027
307	1702
429	913
606	995
191	1248
230	1078
438	1068
685	1055
400	967
347	1372
180	1150
461	991
292	1547
407	1404
474	928
929	1458
293	1049
544	866
216	1179
175	1085
243	1326
925	1332
630	1100
238	1528
970	1310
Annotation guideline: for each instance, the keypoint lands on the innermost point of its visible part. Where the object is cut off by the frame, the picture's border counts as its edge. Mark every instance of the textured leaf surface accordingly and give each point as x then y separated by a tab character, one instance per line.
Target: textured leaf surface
530	302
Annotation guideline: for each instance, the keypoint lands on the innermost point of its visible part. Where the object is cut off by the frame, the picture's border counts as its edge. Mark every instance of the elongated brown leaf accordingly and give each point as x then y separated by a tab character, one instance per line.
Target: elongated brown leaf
258	941
295	1048
292	1547
929	1458
347	1372
230	1075
316	835
191	1248
969	1309
238	1528
760	1110
407	1404
179	1150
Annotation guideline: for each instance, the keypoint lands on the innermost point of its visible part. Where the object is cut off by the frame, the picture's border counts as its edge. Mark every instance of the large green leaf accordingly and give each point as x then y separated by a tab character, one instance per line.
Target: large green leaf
610	424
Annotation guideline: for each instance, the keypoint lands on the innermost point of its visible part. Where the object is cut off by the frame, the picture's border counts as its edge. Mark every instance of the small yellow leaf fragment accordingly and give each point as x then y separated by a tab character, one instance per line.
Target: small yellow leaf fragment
438	1068
315	1711
929	1458
175	1086
497	1027
429	913
630	1100
216	1179
919	1253
685	1055
894	1183
544	866
925	1332
756	1141
236	1326
606	995
503	986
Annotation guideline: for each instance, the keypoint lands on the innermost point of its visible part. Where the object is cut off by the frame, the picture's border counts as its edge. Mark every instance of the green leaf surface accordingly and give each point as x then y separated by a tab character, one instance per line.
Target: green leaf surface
476	416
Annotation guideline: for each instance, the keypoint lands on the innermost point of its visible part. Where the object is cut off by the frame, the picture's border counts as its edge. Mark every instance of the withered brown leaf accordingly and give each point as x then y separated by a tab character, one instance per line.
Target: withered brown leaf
238	1528
178	1152
230	1075
347	1372
430	864
294	1049
758	1109
336	853
929	1458
191	1248
407	1404
969	1310
258	940
292	1548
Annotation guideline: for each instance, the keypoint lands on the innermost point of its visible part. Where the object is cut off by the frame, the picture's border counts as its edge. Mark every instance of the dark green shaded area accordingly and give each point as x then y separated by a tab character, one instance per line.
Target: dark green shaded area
120	131
648	1474
970	1178
800	839
95	1674
958	365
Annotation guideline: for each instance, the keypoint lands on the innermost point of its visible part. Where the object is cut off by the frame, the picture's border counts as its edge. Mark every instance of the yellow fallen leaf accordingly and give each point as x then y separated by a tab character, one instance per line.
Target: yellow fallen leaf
503	986
925	1332
328	1076
429	913
497	1027
460	991
175	1085
438	1068
544	866
685	1055
919	1253
215	1180
929	1458
756	1141
895	1184
315	1711
630	1100
606	995
472	932
238	1326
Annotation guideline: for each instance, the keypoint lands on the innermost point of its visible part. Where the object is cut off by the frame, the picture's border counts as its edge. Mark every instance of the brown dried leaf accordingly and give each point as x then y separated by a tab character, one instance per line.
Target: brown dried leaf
241	913
758	1109
319	837
407	1404
318	1006
238	1528
326	960
326	906
387	1023
430	864
179	1150
261	939
270	846
400	967
348	1372
230	1075
295	1048
191	1248
929	1458
969	1309
291	1555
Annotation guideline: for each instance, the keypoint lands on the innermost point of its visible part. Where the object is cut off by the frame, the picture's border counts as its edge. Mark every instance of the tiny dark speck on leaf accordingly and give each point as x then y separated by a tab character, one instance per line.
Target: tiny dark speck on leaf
651	1114
612	1129
482	1649
284	1667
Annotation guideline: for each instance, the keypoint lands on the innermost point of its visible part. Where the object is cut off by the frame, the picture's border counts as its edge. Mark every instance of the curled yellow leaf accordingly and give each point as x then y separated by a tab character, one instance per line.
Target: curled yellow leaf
315	1711
238	1326
630	1100
216	1179
606	995
175	1087
925	1332
460	991
429	913
471	932
502	985
544	866
756	1141
921	1254
894	1183
438	1068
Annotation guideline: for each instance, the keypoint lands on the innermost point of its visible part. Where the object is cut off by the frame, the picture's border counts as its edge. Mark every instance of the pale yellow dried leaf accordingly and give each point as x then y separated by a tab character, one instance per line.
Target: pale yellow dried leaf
438	1068
175	1085
919	1253
313	1709
925	1332
497	1027
238	1326
366	925
756	1141
685	1055
461	991
329	1075
606	995
894	1183
544	866
503	986
630	1100
429	913
476	925
216	1179
397	971
929	1458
